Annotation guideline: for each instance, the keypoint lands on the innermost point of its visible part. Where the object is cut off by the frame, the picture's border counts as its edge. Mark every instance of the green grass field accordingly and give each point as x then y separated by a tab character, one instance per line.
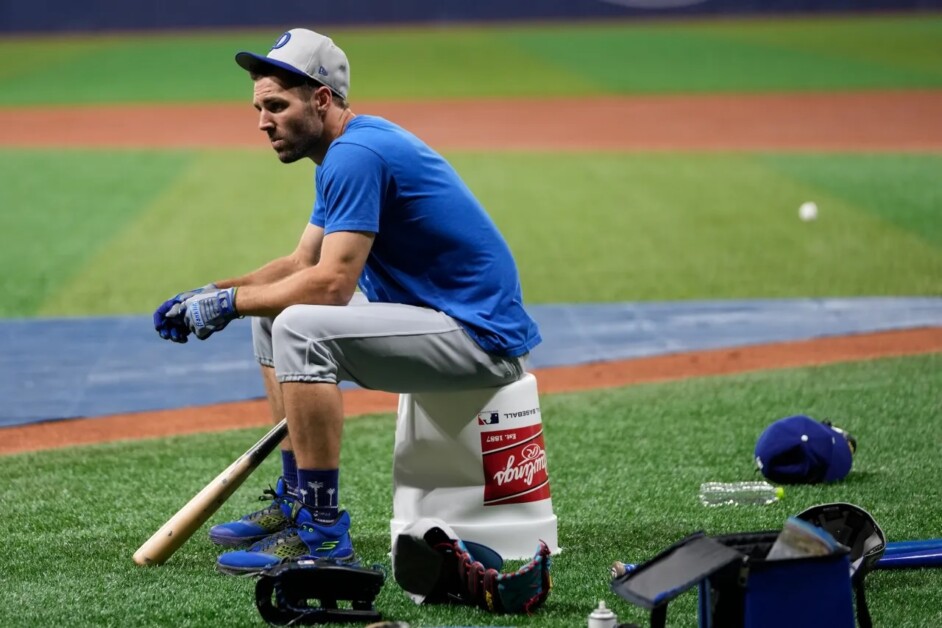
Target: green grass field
621	57
629	226
672	225
624	465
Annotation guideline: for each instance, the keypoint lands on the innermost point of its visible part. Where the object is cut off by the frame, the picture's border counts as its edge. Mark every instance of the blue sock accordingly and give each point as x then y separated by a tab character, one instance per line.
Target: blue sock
319	492
289	468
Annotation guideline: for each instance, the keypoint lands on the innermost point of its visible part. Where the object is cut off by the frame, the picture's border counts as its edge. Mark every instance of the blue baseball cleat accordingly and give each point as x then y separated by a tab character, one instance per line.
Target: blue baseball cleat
303	540
260	524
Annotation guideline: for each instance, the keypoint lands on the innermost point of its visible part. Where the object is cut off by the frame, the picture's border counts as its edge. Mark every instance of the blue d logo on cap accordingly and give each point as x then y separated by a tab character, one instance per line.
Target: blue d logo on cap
281	41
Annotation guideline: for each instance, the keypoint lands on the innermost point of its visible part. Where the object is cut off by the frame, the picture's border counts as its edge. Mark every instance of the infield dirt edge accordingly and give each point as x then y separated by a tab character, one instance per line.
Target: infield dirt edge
255	413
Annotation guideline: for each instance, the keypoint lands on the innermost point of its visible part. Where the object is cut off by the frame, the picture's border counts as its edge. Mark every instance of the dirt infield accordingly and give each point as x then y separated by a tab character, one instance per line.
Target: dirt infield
868	121
897	121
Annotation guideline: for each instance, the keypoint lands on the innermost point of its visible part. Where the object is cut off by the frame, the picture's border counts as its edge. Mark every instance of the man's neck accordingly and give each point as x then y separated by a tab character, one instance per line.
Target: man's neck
334	126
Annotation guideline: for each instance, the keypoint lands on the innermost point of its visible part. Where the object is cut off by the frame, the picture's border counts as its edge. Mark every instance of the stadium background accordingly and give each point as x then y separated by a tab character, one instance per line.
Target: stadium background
105	231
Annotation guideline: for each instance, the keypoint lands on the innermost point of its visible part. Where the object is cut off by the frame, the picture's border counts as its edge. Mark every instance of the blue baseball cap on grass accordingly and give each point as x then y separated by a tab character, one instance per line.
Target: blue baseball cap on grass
802	450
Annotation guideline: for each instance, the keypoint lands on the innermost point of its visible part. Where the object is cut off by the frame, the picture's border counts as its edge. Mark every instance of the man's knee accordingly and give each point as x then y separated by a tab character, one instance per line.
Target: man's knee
300	354
261	340
286	324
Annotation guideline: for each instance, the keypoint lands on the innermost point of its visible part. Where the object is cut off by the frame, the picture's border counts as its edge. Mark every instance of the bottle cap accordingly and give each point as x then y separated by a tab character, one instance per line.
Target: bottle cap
602	612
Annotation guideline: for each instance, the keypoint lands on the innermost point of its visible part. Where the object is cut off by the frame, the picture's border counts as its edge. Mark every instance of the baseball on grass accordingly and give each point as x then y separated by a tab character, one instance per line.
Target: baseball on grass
808	211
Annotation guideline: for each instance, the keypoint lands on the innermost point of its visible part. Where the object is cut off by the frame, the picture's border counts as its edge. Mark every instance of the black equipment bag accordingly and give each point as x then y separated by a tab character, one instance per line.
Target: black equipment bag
739	588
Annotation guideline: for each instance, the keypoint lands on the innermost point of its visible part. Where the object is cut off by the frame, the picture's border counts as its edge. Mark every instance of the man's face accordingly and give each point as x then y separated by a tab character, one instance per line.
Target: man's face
289	118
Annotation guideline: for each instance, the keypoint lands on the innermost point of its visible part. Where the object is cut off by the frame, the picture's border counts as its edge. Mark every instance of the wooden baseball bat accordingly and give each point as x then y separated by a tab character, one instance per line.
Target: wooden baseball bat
181	526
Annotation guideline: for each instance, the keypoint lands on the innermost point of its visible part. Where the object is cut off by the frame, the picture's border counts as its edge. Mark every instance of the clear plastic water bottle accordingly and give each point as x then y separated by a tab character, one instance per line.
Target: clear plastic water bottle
739	493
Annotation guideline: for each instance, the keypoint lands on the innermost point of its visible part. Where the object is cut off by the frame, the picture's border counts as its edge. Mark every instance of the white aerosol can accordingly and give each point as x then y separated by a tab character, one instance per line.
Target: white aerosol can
602	617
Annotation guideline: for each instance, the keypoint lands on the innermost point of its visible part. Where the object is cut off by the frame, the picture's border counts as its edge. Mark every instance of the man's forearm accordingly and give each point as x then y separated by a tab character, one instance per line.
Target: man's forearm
312	286
304	278
273	271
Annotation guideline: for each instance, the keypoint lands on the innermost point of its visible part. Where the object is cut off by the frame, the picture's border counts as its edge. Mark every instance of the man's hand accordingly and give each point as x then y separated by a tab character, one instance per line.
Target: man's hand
173	327
207	312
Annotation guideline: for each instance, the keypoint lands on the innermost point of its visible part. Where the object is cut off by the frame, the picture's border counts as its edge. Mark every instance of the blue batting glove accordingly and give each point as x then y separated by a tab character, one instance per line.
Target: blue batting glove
170	328
173	327
208	312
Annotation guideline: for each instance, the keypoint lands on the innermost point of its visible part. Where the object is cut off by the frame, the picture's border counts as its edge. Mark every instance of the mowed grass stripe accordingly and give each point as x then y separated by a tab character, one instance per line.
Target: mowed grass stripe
227	213
600	227
121	68
625	465
904	45
858	52
749	55
61	207
704	226
908	196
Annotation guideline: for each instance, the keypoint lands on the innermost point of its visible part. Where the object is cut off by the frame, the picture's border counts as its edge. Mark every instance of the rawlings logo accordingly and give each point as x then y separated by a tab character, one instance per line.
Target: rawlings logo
533	460
514	465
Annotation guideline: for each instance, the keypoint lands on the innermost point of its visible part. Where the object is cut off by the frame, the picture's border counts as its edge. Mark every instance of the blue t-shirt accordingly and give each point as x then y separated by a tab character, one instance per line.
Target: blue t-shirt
435	246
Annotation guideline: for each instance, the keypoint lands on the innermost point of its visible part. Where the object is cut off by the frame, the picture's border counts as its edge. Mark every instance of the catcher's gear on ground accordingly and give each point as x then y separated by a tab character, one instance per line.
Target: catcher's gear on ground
855	528
283	594
434	566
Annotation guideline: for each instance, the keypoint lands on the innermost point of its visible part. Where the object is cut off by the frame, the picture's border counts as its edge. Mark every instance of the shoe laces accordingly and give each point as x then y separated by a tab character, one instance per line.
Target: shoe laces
268	494
271	494
274	539
290	530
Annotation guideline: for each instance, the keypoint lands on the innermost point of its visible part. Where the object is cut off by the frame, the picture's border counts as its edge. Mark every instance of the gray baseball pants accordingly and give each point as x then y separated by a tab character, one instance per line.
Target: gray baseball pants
380	346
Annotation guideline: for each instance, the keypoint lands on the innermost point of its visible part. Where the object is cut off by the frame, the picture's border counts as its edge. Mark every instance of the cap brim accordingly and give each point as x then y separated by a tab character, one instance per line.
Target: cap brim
260	64
842	458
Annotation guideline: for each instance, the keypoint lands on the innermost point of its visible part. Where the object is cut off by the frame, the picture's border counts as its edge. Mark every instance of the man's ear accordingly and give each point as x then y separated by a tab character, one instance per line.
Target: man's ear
322	98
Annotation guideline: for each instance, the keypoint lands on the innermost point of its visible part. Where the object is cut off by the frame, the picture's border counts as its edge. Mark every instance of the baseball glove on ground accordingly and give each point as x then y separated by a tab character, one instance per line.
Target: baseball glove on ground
435	567
317	592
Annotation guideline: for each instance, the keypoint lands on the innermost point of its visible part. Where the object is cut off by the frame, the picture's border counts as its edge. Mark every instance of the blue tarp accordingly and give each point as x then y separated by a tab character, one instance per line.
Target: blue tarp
86	367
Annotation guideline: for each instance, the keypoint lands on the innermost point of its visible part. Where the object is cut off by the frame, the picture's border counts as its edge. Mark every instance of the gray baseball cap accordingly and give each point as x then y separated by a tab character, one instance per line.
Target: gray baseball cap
305	53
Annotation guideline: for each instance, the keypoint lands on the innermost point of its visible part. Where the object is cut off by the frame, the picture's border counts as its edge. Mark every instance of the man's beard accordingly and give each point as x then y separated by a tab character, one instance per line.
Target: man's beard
310	139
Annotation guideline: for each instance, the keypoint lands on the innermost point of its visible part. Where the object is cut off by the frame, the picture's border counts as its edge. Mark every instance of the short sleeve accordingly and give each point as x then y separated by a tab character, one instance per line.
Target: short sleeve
351	185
